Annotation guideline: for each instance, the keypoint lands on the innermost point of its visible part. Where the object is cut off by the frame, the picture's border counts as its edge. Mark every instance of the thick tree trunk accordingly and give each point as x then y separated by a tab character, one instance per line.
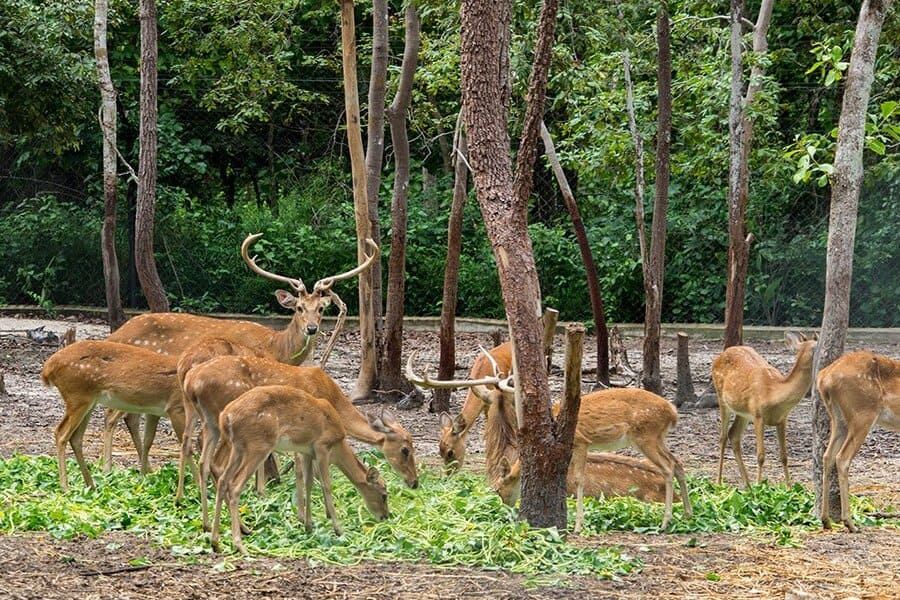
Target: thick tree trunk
738	239
367	363
848	175
587	258
447	362
391	375
375	141
146	200
651	378
115	313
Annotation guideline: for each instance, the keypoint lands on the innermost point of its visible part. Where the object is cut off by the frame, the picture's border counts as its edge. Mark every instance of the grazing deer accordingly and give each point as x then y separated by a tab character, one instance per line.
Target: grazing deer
454	431
752	390
861	389
173	333
285	419
607	420
118	376
605	475
211	386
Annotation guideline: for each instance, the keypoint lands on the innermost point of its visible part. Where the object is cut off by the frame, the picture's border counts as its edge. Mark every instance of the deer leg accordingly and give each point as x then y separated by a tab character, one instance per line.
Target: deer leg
835	441
132	423
77	443
150	423
579	457
678	470
304	462
653	450
187	438
734	434
760	446
724	418
211	440
782	445
857	430
74	418
322	462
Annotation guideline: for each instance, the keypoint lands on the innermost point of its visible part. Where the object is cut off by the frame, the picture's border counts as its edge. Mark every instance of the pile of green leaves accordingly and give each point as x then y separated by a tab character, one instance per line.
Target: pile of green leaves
447	521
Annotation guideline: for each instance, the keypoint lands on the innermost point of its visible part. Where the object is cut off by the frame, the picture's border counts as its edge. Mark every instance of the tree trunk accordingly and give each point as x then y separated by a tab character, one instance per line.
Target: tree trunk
367	363
146	200
587	258
447	363
115	313
391	375
652	379
738	191
846	183
375	142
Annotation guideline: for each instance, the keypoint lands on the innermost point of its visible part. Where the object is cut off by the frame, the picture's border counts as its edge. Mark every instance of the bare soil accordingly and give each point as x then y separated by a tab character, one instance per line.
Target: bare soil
826	565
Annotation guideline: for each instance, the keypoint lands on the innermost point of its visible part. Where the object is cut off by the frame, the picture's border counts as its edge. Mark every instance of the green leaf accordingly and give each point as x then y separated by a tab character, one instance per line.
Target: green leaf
888	108
876	146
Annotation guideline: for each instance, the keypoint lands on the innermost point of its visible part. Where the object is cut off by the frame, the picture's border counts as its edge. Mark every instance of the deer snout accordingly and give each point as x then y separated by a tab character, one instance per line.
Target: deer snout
312	329
414	484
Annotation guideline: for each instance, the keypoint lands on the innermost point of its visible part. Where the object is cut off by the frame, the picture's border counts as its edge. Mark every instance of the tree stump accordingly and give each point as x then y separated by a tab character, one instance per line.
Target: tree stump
684	393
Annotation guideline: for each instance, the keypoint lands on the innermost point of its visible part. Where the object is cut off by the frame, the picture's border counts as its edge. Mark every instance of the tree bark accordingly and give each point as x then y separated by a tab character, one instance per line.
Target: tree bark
738	239
391	375
367	366
115	313
447	362
652	378
846	183
146	200
375	141
587	258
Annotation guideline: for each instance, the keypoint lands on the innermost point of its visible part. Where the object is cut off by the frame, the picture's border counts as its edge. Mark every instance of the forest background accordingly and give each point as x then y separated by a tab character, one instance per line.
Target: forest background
252	139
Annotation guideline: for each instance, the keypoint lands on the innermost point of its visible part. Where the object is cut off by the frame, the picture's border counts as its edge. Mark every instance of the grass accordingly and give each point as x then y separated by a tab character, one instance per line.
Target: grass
447	521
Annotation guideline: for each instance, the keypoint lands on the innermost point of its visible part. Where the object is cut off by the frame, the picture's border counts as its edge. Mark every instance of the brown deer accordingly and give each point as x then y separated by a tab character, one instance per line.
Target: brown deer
285	419
455	431
212	385
607	420
752	390
118	376
861	389
606	475
173	333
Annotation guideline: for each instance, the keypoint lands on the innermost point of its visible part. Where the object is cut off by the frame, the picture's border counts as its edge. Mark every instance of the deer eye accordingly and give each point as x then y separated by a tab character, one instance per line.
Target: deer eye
405	452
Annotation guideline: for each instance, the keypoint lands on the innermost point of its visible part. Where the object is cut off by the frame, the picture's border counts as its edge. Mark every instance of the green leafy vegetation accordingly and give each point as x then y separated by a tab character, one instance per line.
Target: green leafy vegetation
449	520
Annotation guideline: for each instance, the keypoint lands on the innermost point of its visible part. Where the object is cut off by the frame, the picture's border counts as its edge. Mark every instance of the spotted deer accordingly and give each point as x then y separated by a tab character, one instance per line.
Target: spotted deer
750	389
862	389
118	376
277	418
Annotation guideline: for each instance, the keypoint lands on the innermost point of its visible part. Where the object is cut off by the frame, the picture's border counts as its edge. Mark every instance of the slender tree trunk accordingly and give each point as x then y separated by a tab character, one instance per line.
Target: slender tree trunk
587	258
391	373
447	363
652	379
367	366
375	142
638	168
146	200
115	313
738	238
846	183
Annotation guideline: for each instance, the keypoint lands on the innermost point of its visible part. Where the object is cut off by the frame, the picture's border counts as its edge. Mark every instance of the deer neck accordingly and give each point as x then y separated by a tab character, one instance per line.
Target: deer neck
343	457
292	345
472	407
791	389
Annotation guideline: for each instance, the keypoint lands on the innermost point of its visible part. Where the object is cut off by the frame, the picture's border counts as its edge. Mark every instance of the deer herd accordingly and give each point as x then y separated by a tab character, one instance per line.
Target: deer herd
246	386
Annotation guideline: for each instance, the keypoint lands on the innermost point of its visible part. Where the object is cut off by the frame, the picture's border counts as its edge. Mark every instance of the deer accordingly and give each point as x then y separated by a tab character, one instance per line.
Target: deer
118	376
173	333
607	420
750	389
212	385
861	389
606	475
280	418
455	430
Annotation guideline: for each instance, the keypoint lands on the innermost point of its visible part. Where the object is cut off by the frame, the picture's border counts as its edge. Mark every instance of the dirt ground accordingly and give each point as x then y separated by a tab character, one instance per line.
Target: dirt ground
826	565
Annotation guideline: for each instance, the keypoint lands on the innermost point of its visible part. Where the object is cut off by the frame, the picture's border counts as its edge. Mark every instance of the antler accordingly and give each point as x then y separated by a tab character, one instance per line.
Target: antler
325	283
297	284
426	381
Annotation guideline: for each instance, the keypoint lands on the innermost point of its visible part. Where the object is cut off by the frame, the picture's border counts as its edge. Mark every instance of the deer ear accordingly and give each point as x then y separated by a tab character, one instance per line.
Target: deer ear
445	420
286	299
388	417
459	424
792	339
372	475
378	423
504	466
